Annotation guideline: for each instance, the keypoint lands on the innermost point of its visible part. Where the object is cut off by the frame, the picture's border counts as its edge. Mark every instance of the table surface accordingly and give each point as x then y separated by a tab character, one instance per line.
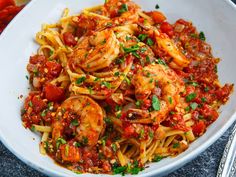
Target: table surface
205	165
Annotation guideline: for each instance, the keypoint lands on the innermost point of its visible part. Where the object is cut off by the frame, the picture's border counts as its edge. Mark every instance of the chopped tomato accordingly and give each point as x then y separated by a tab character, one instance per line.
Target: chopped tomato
70	153
38	104
5	3
157	16
146	104
209	113
167	28
223	93
69	39
37	59
54	68
54	93
199	128
129	131
177	122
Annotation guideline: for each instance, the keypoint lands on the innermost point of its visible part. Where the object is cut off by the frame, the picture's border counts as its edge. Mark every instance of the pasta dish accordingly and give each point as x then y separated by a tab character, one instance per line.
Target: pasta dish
115	88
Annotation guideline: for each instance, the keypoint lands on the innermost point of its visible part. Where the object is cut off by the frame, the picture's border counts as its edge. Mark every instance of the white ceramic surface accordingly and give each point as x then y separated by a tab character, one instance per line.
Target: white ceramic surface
215	17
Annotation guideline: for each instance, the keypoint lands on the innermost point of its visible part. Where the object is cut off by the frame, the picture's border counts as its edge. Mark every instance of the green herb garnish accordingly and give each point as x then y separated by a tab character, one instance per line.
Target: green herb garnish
80	80
190	97
202	36
124	8
155	103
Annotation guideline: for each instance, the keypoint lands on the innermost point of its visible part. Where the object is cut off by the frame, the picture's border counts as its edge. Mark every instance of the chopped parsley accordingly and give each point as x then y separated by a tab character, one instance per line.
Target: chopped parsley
142	37
60	141
108	120
133	48
32	128
114	147
157	158
27	77
118	108
203	99
85	140
43	113
127	80
155	103
193	105
176	145
151	134
80	80
120	60
106	84
190	97
124	8
136	55
30	104
157	6
116	74
202	36
51	53
195	84
187	109
138	103
150	42
130	168
161	62
206	89
67	150
170	100
74	122
104	42
148	59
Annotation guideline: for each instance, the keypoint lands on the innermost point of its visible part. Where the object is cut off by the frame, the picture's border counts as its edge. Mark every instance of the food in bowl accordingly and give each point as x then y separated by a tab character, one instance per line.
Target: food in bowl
115	88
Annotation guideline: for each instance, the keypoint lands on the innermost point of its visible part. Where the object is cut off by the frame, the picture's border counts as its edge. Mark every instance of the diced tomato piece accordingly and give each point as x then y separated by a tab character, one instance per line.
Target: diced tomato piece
167	28
199	128
37	59
70	153
189	89
129	131
146	104
5	3
157	16
177	122
69	39
38	104
209	113
223	93
54	93
54	68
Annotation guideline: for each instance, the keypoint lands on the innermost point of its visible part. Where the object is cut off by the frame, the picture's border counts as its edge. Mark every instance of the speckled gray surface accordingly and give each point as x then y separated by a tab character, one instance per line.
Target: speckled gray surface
205	165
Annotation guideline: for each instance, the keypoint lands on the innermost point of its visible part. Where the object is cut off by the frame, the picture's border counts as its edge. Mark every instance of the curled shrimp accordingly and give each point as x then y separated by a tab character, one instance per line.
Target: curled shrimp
124	11
147	80
95	52
80	120
163	41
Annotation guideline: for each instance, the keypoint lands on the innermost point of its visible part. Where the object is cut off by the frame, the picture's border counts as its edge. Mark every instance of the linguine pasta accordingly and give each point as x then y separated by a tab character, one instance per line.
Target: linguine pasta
115	88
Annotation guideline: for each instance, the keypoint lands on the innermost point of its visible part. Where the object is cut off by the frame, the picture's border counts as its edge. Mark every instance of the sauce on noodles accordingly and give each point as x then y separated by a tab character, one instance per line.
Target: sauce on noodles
115	88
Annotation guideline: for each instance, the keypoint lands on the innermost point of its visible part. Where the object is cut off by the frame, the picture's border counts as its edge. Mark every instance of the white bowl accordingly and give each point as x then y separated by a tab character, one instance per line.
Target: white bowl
215	18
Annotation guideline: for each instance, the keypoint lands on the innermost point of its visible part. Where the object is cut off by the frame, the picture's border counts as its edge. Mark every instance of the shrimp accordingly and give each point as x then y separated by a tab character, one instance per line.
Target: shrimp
163	41
171	85
80	120
95	52
124	11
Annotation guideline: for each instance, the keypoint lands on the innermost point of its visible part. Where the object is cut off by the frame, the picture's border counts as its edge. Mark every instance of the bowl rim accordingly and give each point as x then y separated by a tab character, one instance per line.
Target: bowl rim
167	169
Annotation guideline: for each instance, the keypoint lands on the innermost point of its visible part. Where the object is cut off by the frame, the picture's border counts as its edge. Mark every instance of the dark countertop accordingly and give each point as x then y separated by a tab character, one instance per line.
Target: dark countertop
205	165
